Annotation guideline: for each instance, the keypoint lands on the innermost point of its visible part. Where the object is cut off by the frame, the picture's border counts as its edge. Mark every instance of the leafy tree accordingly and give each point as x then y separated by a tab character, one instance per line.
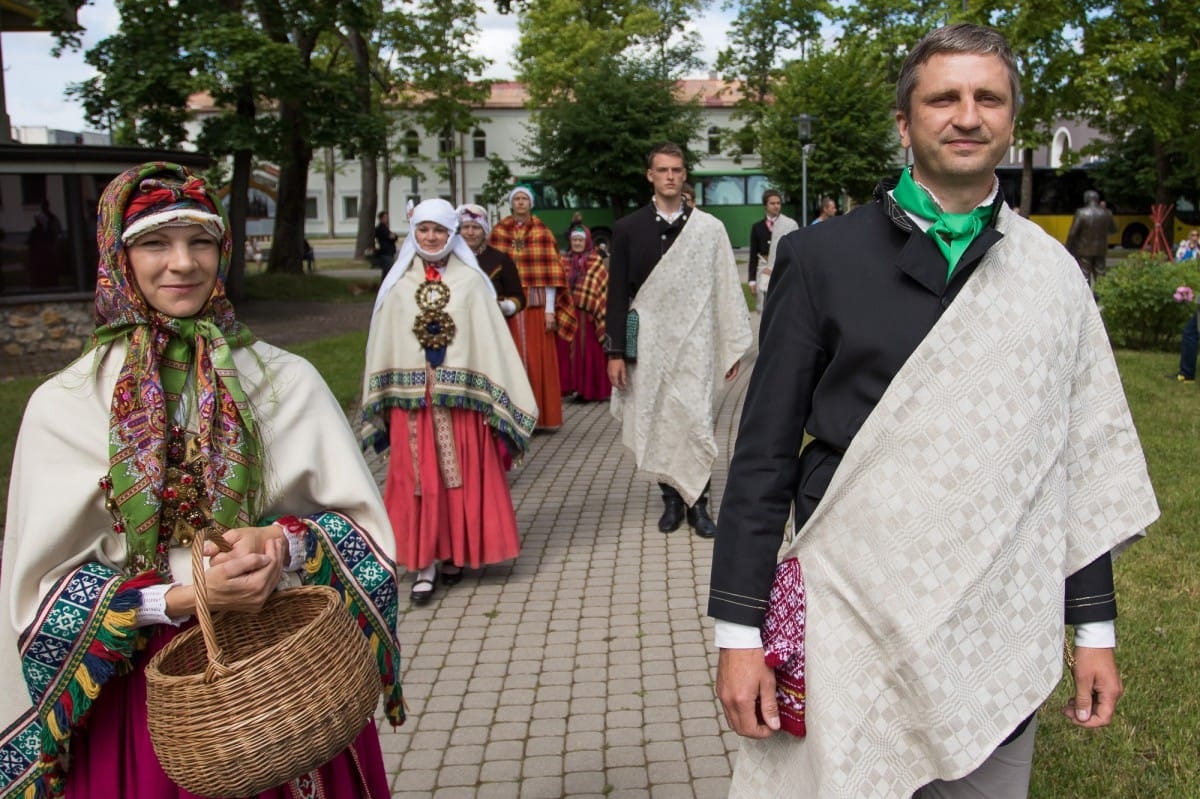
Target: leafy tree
438	69
761	32
593	144
1140	69
559	38
854	136
499	180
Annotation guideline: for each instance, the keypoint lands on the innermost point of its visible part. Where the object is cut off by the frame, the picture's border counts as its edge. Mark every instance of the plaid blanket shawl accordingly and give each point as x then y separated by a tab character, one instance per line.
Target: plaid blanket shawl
591	295
534	249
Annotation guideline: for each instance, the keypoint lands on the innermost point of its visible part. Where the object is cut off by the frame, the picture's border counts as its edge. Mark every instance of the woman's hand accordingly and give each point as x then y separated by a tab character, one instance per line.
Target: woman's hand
244	540
241	579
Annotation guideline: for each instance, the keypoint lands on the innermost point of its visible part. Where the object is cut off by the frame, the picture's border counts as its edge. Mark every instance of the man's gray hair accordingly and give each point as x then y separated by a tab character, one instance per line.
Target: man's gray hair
962	37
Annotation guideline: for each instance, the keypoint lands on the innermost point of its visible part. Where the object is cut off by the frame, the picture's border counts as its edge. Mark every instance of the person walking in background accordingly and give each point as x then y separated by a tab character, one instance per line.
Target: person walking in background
760	236
449	397
474	228
176	420
549	313
385	243
828	210
672	271
582	365
1087	239
784	225
939	552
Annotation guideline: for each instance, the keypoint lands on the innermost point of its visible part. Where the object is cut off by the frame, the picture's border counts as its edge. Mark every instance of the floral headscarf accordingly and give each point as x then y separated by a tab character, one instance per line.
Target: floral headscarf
168	359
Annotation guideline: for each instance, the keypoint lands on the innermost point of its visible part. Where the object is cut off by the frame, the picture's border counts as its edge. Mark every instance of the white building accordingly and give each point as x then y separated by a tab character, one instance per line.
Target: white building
504	134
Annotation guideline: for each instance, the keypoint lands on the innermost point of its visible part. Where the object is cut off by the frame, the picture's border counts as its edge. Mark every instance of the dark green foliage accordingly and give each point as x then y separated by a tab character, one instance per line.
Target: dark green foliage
854	137
594	142
1137	301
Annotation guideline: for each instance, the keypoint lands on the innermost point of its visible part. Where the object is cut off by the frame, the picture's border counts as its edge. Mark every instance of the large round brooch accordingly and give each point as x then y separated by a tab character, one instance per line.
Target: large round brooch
433	327
433	295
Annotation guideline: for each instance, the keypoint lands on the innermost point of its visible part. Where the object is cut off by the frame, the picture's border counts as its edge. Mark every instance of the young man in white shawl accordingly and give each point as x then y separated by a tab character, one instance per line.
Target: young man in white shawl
972	465
674	268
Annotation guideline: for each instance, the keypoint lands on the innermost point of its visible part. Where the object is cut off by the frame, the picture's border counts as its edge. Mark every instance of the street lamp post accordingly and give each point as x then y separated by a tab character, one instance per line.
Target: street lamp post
804	123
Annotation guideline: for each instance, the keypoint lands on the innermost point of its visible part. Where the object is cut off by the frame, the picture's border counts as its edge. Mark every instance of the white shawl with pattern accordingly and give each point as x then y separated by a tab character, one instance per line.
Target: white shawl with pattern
693	327
1001	459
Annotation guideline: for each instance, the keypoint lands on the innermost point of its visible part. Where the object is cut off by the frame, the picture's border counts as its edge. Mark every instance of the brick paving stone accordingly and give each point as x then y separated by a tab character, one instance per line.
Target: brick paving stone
541	788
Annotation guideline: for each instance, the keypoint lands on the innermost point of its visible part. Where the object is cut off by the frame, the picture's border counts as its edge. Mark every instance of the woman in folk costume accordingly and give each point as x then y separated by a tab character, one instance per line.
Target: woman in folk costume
474	228
176	419
550	313
582	364
444	388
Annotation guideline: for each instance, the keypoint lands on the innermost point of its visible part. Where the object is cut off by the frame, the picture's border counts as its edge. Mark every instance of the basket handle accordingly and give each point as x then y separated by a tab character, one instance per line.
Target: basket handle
215	667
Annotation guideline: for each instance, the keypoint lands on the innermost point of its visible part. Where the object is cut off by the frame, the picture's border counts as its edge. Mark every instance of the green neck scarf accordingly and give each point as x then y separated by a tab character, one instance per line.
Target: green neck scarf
952	233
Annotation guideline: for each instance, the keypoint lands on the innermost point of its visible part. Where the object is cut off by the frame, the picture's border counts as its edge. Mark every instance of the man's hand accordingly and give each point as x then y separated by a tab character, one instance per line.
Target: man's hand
616	373
1097	687
753	287
746	688
733	371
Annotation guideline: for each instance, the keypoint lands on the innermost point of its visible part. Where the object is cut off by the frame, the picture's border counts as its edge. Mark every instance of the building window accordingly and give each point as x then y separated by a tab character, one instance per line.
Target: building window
446	143
479	144
350	207
310	208
412	144
714	141
33	189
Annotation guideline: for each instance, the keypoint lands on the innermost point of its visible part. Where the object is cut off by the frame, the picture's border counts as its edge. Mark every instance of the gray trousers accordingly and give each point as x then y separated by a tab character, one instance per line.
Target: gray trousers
1004	775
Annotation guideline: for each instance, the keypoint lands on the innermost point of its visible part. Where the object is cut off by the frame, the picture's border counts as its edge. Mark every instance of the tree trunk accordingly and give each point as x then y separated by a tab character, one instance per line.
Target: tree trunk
330	191
239	201
1026	181
365	240
287	241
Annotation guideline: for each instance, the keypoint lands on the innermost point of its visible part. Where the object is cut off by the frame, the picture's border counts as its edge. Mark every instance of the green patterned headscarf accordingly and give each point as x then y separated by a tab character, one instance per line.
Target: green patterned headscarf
163	353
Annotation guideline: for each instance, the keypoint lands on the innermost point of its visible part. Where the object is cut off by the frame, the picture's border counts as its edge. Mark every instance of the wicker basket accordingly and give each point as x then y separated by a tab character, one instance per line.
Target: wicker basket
249	701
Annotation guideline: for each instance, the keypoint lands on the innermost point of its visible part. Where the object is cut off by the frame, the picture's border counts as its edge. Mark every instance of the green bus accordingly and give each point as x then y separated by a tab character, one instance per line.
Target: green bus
733	196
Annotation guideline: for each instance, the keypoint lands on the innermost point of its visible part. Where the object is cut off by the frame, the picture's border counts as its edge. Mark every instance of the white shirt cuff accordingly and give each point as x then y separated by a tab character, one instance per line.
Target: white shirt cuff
1096	634
728	635
297	548
551	295
153	609
508	307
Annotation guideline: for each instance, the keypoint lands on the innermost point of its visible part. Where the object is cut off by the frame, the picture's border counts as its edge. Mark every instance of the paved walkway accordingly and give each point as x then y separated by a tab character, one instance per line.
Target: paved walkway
584	668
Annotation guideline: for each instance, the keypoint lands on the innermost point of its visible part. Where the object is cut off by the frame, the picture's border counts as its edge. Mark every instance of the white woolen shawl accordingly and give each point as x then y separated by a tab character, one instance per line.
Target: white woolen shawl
56	517
693	326
783	226
1001	459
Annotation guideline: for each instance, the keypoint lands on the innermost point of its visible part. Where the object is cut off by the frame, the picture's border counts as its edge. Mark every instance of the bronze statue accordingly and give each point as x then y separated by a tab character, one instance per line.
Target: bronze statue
1088	238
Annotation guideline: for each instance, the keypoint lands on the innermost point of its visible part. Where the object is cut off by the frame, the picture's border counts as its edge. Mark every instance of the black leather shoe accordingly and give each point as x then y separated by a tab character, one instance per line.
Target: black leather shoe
673	514
451	578
699	520
422	592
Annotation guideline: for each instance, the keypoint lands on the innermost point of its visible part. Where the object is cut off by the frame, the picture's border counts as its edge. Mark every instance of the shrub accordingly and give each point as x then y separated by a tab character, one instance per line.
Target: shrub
1137	301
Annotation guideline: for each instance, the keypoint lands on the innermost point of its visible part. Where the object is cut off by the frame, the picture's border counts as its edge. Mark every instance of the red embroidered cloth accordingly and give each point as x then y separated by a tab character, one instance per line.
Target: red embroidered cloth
783	644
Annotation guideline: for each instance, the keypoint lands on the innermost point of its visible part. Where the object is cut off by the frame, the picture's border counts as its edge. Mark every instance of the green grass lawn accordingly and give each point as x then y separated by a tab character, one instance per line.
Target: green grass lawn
1152	749
309	288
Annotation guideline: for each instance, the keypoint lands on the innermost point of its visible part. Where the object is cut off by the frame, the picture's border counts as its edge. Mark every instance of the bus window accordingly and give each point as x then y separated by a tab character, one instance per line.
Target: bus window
722	190
756	185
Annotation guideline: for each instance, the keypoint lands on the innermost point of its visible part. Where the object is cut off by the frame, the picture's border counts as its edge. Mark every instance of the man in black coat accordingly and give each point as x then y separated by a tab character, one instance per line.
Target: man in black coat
760	235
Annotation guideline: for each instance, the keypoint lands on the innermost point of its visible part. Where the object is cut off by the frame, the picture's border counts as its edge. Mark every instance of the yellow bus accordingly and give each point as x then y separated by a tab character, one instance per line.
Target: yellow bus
1057	194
